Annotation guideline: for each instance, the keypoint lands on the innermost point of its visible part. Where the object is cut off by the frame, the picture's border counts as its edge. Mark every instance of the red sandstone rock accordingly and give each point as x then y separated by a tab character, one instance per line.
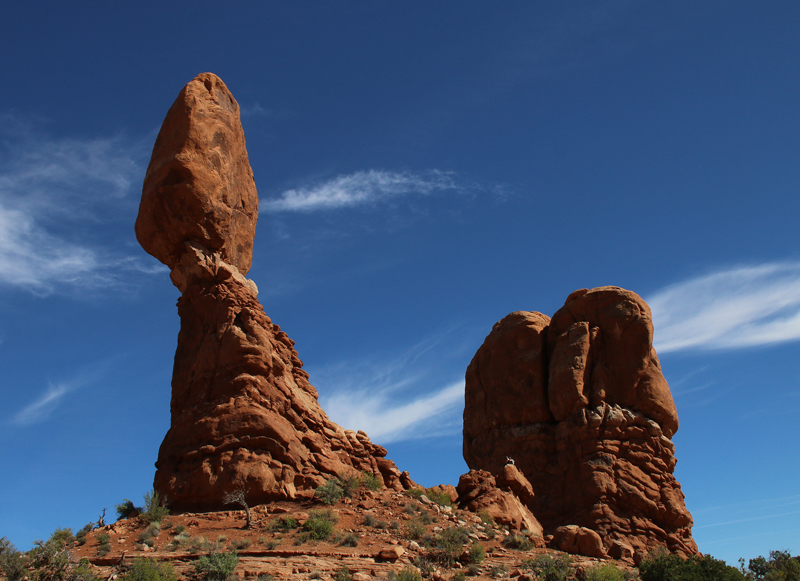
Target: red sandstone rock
478	491
579	541
580	404
243	412
199	186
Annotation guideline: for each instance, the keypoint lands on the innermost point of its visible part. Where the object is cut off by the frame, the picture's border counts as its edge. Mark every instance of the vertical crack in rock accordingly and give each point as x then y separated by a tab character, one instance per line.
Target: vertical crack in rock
580	404
242	412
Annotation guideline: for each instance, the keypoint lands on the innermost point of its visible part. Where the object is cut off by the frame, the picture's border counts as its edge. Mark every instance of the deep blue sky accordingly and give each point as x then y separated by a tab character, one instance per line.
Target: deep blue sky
424	168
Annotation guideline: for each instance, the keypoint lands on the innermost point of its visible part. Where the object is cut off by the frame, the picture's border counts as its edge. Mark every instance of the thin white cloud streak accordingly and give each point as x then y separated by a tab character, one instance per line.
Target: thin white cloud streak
52	191
741	307
360	188
40	410
390	421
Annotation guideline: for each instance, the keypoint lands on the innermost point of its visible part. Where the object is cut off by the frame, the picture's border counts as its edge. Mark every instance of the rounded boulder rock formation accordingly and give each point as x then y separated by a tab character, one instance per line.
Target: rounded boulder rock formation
579	404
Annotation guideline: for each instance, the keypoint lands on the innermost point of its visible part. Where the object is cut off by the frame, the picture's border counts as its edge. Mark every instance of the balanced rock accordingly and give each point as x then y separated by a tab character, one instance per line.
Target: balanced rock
581	406
243	413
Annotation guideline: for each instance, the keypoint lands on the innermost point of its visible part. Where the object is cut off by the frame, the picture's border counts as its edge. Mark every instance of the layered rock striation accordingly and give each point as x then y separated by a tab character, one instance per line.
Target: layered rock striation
243	413
580	404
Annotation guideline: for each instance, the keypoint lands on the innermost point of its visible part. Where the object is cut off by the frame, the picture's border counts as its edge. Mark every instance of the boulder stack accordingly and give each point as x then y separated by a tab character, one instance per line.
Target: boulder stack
243	413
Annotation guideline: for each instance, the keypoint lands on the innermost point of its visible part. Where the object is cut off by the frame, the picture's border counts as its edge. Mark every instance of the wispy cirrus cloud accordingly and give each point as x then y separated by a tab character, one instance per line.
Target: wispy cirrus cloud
361	188
55	193
399	398
387	420
740	307
41	408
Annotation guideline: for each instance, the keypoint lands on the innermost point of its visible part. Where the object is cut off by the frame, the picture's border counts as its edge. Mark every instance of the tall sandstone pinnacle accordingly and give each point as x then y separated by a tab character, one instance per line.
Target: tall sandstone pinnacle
243	413
580	404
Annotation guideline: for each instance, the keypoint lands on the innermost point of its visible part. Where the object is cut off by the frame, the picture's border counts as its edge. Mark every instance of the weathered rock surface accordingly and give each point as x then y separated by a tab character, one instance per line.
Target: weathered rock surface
580	403
199	186
243	413
479	491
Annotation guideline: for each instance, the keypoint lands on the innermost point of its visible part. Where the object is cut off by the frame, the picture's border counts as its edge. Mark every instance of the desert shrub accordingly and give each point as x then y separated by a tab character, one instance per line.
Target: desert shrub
663	566
440	498
426	518
605	572
155	507
460	576
149	570
271	545
394	525
350	540
369	519
265	577
283	523
477	554
517	542
200	544
51	562
370	480
348	484
239	544
319	525
125	509
473	570
548	568
343	574
103	538
216	566
381	524
12	563
415	529
407	574
62	537
485	517
412	508
178	529
447	545
501	571
780	566
415	492
330	492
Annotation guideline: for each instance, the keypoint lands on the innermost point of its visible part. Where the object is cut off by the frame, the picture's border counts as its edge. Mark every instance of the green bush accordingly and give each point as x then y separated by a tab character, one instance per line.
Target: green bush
155	507
240	544
216	566
407	574
663	566
415	492
350	540
415	529
283	523
12	563
518	542
62	537
343	574
448	544
370	481
319	525
348	484
606	572
440	498
51	562
780	566
547	568
125	509
149	570
477	554
330	492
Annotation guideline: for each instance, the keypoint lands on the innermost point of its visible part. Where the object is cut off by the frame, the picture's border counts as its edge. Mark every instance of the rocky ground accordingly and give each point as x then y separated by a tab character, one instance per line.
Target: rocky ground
391	531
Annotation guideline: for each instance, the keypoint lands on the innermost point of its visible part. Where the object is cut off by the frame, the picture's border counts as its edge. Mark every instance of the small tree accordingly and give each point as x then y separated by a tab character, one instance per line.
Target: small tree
239	496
